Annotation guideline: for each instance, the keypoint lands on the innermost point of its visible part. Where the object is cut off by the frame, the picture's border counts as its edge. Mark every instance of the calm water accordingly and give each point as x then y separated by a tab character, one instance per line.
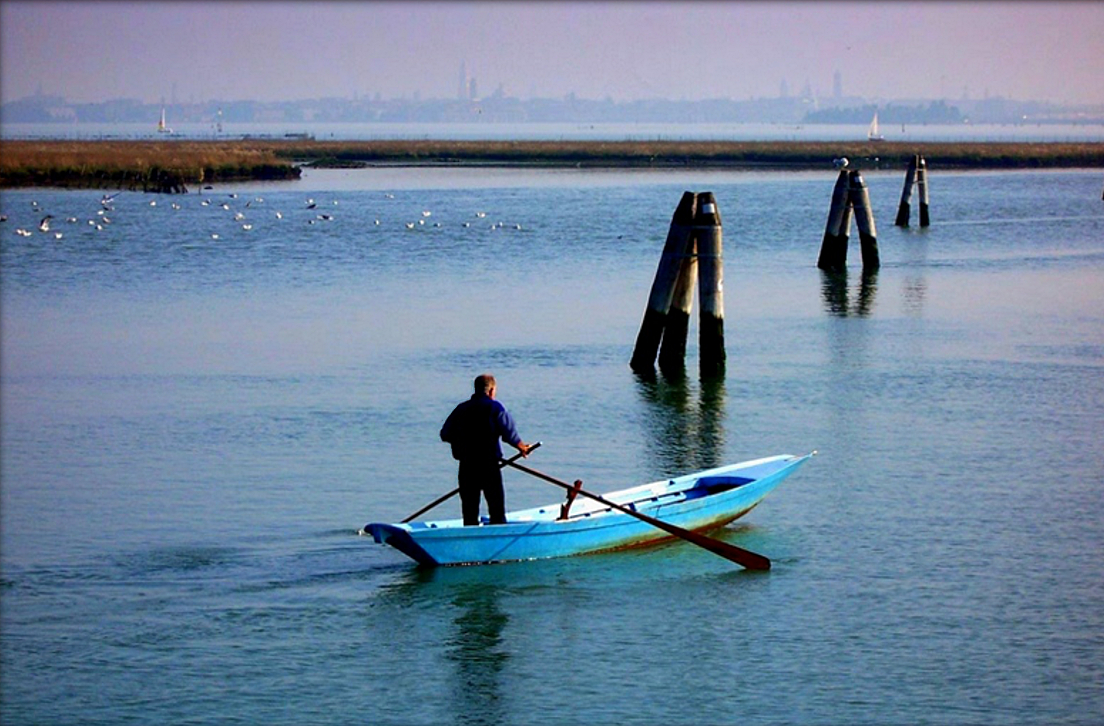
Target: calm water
194	428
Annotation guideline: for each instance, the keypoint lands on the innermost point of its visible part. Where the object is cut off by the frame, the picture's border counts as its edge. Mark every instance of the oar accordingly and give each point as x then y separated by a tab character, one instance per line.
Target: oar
742	557
456	491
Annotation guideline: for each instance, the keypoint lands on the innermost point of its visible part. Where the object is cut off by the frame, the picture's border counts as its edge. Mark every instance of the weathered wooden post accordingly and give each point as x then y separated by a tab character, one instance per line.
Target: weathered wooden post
922	186
710	248
833	250
663	287
859	198
904	209
672	351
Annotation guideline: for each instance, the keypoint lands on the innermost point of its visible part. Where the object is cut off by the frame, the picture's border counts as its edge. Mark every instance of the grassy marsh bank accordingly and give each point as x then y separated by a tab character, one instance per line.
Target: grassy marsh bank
735	154
173	165
159	166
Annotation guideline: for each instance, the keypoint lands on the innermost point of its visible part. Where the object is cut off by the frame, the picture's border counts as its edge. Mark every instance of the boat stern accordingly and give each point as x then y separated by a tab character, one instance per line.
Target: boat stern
399	538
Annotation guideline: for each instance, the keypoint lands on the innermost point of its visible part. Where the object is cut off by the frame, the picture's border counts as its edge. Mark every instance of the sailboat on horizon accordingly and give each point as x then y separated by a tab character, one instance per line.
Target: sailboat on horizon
162	127
874	134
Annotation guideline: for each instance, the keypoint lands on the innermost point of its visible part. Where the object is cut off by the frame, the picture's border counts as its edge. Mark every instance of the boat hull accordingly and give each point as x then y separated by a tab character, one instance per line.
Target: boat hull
700	501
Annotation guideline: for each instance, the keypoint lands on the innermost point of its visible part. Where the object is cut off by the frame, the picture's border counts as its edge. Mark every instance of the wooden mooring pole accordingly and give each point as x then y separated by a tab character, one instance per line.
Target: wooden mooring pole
904	209
859	199
672	350
922	187
833	250
710	248
662	293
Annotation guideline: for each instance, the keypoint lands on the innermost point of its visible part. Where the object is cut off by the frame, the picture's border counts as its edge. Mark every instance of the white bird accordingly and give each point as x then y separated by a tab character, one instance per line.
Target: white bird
247	227
840	163
279	216
44	225
410	225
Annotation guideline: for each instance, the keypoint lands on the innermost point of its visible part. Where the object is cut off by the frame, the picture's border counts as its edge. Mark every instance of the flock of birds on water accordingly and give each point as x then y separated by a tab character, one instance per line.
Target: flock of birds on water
242	215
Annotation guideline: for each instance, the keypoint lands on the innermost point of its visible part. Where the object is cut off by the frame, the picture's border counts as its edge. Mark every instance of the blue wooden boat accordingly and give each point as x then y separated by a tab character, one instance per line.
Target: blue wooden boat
697	502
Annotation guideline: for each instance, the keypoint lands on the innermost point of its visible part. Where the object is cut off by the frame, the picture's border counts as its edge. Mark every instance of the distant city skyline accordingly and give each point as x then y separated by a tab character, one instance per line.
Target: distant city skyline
196	51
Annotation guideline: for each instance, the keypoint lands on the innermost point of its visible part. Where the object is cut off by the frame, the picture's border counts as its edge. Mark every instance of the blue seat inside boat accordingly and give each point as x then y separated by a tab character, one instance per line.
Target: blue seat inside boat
708	485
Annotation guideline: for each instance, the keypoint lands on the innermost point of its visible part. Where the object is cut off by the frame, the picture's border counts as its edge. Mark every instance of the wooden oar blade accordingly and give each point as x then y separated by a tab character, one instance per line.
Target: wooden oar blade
745	558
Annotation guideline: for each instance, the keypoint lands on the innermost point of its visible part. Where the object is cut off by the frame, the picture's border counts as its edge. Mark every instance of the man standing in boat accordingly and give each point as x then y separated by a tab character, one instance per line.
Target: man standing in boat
475	429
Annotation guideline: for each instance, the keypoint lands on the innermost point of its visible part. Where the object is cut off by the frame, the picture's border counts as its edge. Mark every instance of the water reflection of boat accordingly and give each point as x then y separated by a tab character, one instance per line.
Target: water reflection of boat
700	501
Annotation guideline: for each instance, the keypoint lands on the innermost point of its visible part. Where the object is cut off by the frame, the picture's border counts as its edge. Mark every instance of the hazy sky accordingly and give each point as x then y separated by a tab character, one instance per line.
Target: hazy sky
92	50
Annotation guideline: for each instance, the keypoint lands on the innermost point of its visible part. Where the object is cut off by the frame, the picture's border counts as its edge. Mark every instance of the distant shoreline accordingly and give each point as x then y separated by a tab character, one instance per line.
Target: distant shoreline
174	166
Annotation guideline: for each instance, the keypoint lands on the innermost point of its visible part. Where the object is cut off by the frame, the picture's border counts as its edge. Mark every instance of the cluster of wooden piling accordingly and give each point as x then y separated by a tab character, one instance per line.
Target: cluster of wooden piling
850	198
917	173
692	256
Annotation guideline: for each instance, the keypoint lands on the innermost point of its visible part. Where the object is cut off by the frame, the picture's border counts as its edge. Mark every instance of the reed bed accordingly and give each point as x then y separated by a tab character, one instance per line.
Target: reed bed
150	165
170	165
782	154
